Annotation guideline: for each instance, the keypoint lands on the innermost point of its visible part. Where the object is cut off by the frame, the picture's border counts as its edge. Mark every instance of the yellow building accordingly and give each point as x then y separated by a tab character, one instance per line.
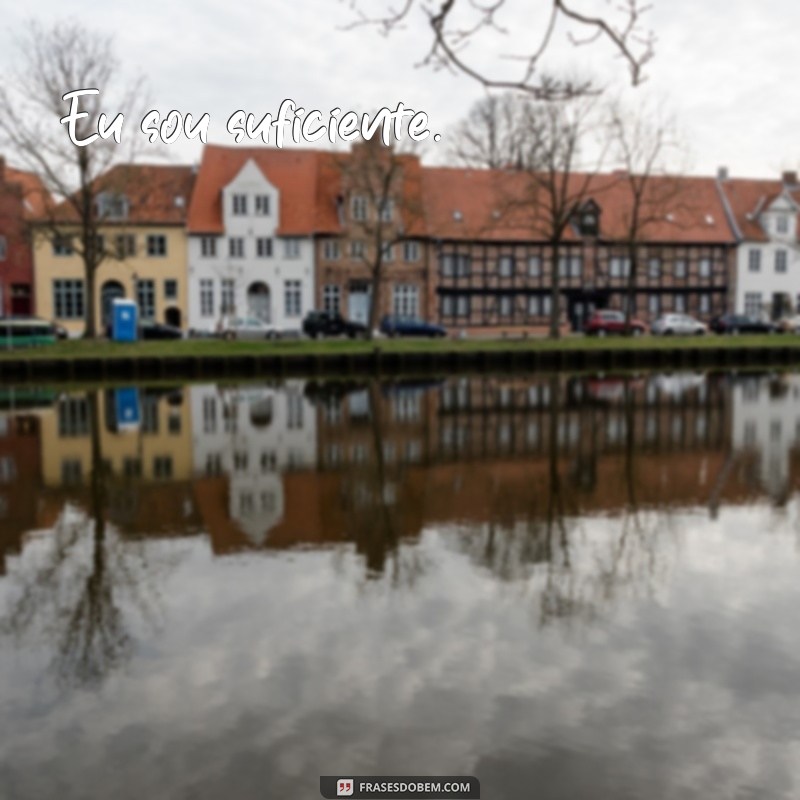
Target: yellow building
142	212
157	449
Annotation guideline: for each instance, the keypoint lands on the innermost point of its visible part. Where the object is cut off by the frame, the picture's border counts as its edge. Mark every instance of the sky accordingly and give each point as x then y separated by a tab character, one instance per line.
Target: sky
723	68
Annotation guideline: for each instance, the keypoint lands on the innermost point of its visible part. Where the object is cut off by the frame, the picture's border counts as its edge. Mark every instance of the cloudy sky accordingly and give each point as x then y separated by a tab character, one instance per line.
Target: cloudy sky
724	67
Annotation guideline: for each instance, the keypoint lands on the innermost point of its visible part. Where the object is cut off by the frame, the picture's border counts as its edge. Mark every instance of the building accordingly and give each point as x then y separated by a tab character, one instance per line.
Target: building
764	216
251	225
141	212
22	198
370	200
495	265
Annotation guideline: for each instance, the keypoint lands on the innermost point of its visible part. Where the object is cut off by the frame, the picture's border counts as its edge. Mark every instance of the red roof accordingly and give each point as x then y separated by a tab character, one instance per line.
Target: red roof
35	197
498	205
747	197
157	193
292	171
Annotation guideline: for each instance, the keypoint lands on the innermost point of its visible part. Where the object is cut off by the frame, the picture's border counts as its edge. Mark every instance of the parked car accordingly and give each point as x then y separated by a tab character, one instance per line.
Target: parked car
326	323
603	323
789	324
245	328
150	329
678	325
409	326
739	323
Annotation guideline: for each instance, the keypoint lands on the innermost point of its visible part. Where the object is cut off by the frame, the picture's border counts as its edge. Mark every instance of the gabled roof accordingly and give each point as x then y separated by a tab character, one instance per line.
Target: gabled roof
35	197
747	198
292	171
498	205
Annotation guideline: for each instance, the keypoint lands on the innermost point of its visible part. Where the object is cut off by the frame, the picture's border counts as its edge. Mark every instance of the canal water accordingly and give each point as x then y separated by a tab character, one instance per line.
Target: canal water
569	587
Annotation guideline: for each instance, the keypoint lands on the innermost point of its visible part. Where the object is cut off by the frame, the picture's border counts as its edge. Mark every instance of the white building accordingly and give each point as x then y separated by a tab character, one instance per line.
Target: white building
251	224
253	435
764	217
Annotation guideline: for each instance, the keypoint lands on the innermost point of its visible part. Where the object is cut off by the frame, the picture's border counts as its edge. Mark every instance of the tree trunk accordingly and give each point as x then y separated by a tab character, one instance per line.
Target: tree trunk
631	292
90	331
374	300
555	294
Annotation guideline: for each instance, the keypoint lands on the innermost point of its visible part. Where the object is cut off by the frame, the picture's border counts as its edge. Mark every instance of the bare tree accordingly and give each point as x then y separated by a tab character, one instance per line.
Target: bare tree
492	132
641	144
380	206
455	24
553	177
52	61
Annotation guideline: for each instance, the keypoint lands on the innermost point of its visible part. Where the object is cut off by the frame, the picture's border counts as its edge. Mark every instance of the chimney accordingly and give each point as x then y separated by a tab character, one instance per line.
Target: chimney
722	174
790	178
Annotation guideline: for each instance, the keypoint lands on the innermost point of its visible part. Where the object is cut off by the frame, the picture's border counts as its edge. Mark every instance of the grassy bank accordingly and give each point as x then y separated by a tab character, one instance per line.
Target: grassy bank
76	349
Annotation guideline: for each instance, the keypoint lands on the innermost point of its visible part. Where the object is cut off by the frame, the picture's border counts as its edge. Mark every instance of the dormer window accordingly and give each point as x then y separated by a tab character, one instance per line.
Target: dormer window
589	219
111	205
782	224
387	210
262	205
358	208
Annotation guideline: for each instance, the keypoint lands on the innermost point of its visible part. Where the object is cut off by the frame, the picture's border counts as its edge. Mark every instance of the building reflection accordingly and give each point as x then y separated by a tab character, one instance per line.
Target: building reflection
306	464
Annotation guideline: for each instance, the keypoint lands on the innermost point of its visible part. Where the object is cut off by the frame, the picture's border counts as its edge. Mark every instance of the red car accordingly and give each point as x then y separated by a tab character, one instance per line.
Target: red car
605	323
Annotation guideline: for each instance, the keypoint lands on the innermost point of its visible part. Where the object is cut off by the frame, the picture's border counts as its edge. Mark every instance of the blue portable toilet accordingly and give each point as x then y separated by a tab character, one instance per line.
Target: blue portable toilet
127	409
124	320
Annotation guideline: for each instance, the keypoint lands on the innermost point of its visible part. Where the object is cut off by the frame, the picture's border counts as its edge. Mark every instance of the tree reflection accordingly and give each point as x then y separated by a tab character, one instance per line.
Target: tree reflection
78	589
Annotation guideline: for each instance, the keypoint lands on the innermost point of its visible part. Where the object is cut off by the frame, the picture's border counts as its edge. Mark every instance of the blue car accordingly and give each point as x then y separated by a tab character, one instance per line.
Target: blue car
408	326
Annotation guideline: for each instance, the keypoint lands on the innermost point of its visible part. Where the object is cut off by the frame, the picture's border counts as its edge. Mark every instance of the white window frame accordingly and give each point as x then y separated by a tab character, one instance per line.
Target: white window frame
293	298
206	288
405	300
239	204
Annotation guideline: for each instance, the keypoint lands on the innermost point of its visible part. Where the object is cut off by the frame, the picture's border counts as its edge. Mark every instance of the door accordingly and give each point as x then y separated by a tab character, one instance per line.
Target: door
21	299
358	304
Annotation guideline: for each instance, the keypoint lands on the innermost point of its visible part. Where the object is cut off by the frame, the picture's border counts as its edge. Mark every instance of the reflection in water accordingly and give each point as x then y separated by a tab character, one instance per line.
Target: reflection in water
582	583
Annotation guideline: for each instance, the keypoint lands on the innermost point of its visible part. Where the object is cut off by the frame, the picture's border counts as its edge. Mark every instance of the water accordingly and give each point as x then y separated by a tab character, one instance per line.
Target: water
569	587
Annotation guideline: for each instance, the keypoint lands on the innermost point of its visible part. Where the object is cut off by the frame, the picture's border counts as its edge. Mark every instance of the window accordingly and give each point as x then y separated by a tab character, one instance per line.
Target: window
411	251
209	415
240	204
73	417
575	266
358	208
705	267
206	298
264	247
162	467
704	304
331	296
680	268
654	268
654	303
156	245
3	248
112	206
236	247
357	249
125	245
680	303
447	305
505	266
535	267
506	305
294	402
619	267
405	300
208	246
458	265
754	261
387	209
291	248
752	304
292	298
330	249
547	305
262	204
780	260
227	296
388	253
146	298
62	245
534	305
68	299
782	224
462	305
170	290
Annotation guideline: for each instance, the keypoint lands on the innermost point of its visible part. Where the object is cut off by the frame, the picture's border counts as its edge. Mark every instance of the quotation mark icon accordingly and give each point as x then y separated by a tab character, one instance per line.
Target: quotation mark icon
344	787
